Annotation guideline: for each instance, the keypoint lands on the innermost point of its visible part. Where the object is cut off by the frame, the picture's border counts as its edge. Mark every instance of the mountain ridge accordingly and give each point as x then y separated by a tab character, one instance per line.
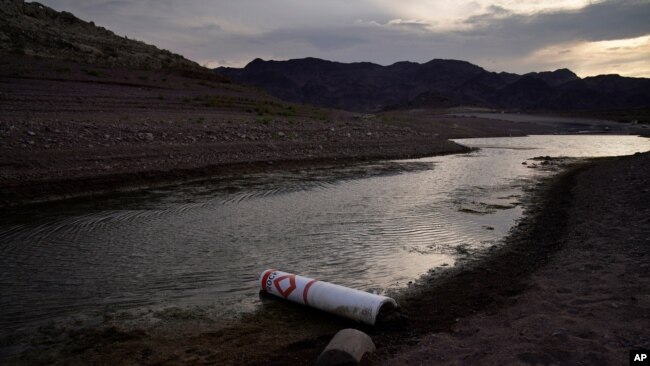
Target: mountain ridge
370	87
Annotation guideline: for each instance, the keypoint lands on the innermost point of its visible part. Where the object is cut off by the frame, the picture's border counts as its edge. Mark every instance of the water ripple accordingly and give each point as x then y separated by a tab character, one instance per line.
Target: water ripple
370	226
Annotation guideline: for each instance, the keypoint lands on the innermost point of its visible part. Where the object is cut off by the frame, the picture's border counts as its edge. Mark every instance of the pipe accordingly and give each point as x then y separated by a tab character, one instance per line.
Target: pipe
343	301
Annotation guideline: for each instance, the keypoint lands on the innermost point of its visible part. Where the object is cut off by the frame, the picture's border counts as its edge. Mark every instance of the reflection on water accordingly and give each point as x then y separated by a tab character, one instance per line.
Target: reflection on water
369	226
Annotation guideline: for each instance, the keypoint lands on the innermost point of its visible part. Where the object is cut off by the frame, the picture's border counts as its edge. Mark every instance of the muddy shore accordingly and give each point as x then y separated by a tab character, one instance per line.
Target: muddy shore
569	285
69	130
581	296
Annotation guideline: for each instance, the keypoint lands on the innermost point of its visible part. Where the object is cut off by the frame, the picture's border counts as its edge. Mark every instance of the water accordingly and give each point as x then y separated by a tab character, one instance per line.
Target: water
371	226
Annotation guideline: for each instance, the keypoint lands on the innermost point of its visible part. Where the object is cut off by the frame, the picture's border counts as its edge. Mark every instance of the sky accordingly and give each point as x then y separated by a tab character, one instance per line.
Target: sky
590	37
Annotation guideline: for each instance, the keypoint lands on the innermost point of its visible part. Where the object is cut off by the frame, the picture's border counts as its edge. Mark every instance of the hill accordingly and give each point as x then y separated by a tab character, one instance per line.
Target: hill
35	30
368	87
83	111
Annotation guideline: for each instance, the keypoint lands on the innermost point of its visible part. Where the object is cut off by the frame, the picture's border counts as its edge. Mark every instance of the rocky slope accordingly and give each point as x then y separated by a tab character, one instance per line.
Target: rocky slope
36	30
69	129
369	87
83	111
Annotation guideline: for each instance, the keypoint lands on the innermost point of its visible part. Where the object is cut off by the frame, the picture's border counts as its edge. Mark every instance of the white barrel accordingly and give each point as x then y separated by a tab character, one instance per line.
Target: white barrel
346	302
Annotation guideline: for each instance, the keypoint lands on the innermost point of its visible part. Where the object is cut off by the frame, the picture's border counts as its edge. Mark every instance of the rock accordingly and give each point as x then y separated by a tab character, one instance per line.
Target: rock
31	133
281	134
346	348
146	136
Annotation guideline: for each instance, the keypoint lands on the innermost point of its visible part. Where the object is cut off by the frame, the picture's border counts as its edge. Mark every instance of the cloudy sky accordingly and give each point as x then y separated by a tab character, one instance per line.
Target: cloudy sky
589	37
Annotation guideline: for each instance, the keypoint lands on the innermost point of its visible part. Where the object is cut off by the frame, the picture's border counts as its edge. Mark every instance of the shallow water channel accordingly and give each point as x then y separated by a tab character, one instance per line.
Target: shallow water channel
373	226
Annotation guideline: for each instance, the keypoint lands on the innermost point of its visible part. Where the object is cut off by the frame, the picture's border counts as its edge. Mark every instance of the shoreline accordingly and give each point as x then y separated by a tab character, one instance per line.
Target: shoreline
71	130
23	192
435	304
586	299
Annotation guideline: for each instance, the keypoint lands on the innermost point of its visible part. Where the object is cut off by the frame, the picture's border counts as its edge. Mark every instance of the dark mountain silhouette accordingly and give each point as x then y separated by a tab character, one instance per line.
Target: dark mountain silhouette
554	78
368	87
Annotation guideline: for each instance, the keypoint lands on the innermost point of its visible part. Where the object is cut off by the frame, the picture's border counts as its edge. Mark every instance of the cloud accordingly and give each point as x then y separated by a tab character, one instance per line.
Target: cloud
410	25
324	39
492	14
604	57
498	35
514	39
597	22
413	24
209	27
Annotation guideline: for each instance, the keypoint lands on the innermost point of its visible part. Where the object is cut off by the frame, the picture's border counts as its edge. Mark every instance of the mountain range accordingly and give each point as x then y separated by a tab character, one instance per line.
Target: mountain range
34	30
368	87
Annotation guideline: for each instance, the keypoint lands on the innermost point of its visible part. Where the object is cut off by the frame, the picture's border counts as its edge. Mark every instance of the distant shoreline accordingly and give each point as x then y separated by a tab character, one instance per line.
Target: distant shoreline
69	130
29	192
72	130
